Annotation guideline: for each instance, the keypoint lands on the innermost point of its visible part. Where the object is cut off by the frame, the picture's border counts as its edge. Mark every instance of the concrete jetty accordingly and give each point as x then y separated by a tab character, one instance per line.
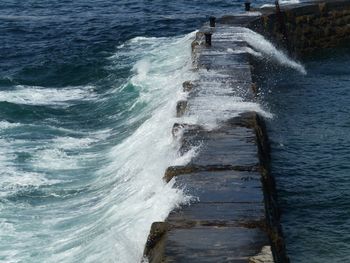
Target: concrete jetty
235	217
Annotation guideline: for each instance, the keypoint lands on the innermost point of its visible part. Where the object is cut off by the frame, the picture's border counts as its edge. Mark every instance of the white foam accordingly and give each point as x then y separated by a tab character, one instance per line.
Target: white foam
13	178
136	195
7	125
54	159
269	51
244	50
69	143
289	1
282	2
56	154
209	111
260	46
35	95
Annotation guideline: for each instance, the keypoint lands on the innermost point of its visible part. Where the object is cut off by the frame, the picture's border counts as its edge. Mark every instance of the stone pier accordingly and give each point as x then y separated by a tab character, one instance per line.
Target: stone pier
229	175
235	217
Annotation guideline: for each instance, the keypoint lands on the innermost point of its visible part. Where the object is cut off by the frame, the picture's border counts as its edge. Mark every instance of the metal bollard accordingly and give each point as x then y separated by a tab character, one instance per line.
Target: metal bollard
247	6
208	39
212	21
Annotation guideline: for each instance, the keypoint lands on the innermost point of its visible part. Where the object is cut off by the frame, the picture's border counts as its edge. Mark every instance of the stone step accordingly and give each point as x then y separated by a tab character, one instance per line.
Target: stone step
218	212
223	186
234	146
208	244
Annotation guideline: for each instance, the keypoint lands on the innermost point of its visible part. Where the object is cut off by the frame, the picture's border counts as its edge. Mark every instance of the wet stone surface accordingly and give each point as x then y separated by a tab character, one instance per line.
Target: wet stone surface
223	186
226	146
227	61
213	244
225	222
218	211
228	221
234	88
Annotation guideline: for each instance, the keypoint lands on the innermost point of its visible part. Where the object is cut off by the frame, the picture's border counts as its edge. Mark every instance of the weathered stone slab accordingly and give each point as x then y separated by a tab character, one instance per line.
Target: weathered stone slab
235	146
213	85
238	74
213	244
237	60
243	90
210	88
212	63
225	212
173	171
236	20
223	186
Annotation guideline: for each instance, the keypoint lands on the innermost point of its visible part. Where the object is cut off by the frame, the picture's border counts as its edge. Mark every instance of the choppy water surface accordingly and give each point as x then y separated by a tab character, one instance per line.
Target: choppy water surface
310	136
87	103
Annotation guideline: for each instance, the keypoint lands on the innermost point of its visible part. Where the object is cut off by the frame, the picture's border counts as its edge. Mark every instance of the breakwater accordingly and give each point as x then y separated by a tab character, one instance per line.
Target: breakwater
306	27
236	217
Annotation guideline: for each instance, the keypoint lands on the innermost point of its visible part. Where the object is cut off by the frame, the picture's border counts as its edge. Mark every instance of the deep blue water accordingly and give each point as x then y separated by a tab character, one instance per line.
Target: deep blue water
310	135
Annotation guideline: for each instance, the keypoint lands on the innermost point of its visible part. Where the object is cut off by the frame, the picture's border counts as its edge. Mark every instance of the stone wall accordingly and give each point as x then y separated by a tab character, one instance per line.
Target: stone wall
303	28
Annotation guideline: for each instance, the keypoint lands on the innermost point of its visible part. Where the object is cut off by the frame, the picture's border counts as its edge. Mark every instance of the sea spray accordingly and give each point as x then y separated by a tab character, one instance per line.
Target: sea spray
289	1
260	47
268	50
105	213
216	100
282	2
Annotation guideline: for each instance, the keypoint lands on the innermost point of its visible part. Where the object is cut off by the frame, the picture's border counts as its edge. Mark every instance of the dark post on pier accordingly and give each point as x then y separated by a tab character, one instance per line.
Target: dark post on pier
247	6
212	21
208	39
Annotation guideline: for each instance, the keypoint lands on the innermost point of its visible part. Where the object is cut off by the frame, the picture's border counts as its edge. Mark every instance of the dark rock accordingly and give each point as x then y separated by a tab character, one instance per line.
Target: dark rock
181	108
187	86
154	245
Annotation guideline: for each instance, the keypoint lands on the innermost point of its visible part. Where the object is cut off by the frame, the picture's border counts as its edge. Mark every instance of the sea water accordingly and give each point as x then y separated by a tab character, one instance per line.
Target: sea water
87	96
310	138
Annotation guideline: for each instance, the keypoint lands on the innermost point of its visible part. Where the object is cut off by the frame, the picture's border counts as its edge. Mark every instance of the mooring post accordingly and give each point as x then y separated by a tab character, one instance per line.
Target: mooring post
247	5
208	38
282	24
212	21
278	9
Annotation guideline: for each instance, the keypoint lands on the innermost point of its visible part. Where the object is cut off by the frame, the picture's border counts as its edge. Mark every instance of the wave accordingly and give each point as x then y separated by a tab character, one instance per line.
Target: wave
282	2
7	125
136	165
120	180
35	95
267	49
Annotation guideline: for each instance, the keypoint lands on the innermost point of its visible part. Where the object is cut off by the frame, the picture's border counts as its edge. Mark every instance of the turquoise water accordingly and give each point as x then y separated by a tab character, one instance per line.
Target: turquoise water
310	135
